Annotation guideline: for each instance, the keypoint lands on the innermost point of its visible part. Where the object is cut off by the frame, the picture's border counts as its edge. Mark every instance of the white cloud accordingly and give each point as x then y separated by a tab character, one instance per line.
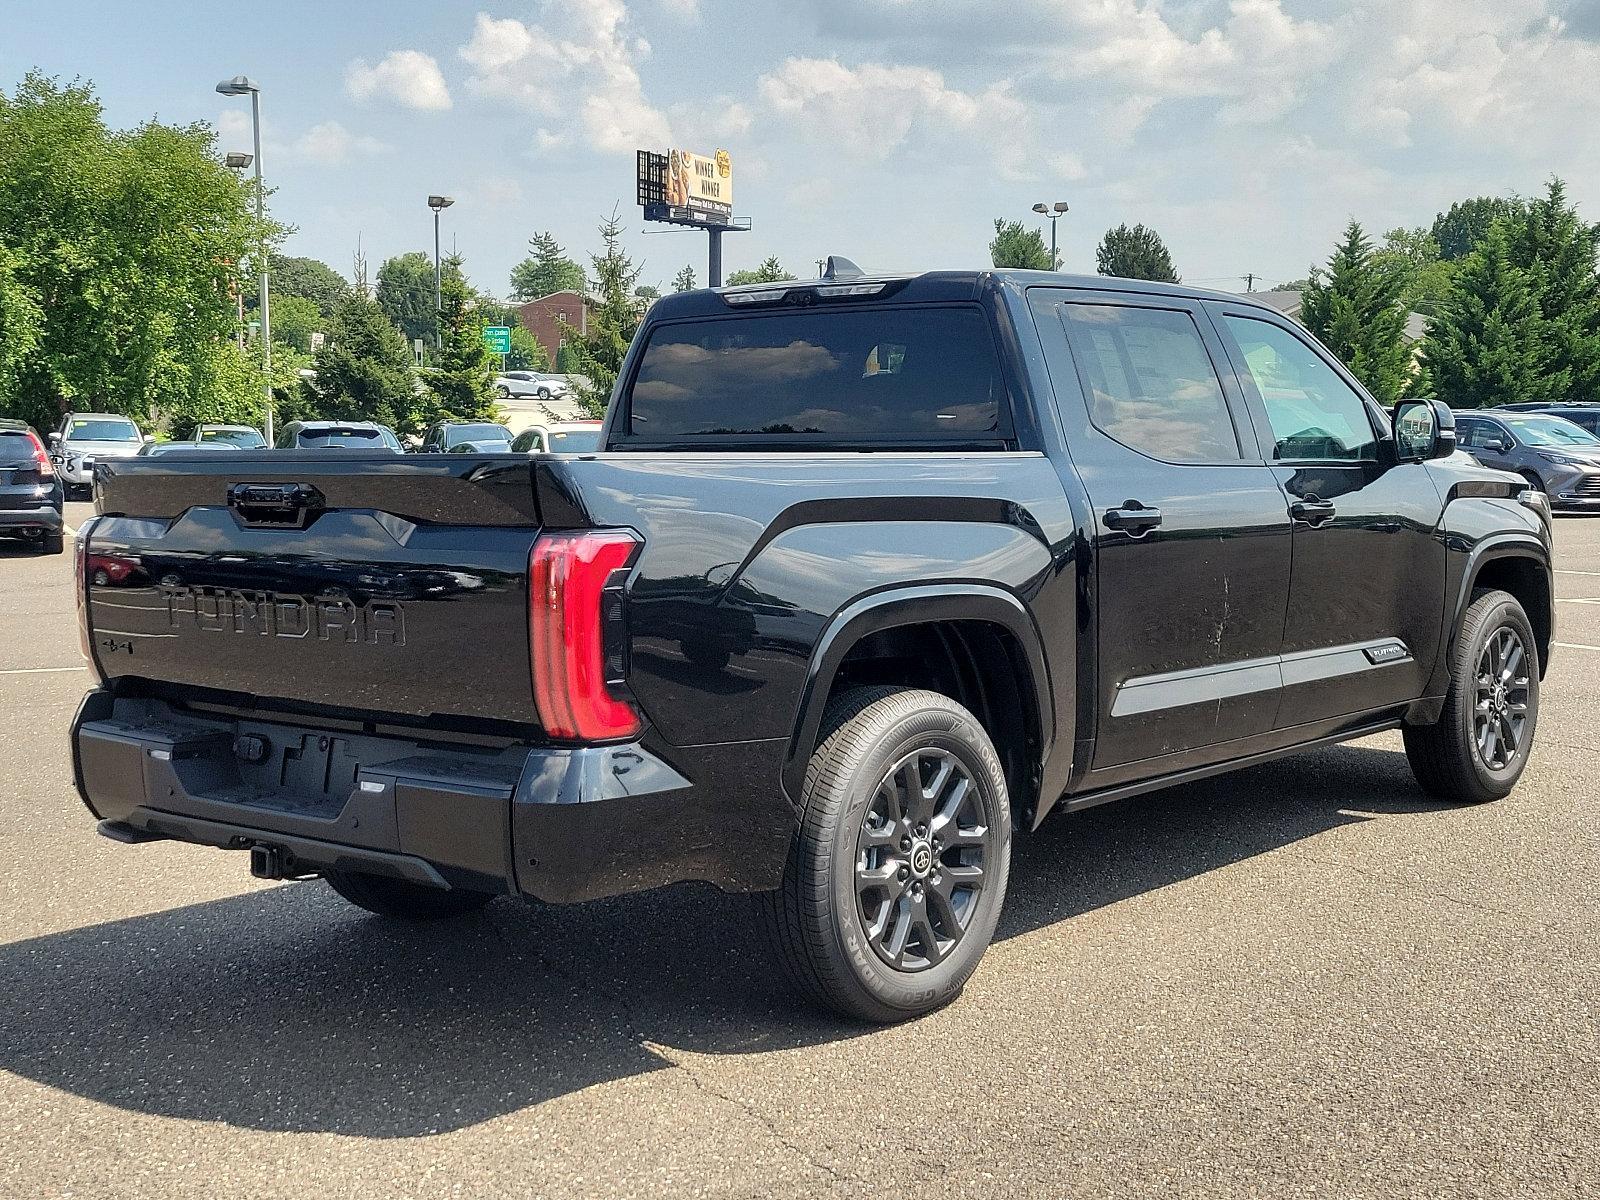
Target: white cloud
580	64
684	10
874	109
408	78
331	144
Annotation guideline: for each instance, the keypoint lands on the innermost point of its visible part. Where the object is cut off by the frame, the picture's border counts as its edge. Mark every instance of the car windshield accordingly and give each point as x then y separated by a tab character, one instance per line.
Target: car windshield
159	448
249	439
1550	431
95	429
477	433
573	441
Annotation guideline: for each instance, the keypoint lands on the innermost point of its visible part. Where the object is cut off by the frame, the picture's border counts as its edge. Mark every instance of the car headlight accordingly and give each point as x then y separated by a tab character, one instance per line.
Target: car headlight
1565	460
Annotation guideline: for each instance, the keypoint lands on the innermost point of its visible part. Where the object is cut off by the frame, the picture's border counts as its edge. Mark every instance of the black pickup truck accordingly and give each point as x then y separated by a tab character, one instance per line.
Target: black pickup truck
871	575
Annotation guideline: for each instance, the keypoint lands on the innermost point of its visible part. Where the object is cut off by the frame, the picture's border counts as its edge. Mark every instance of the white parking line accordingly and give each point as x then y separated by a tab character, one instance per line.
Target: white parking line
1575	646
1565	571
1577	600
38	670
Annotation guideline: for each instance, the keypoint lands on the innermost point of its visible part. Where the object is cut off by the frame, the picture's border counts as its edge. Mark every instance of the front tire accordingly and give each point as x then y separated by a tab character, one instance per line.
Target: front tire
544	393
407	901
897	873
1477	749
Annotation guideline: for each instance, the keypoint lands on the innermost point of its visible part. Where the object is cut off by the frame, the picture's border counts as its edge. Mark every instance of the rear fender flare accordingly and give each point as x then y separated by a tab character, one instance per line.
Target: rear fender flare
919	605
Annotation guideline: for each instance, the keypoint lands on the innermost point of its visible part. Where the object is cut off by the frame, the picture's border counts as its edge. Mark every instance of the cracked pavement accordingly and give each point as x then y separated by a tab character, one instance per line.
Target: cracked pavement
1301	980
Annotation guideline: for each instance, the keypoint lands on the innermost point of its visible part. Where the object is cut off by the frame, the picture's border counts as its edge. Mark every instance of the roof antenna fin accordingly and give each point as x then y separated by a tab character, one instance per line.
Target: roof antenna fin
840	267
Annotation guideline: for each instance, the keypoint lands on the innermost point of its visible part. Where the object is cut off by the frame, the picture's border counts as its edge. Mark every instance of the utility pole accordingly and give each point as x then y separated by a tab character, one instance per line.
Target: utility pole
438	204
1250	281
243	85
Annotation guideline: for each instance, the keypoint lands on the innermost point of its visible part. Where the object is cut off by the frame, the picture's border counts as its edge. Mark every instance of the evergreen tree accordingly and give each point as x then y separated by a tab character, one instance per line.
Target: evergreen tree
462	382
1135	253
1354	307
364	369
1557	251
1459	231
1488	345
613	320
683	281
546	270
1015	245
770	271
405	293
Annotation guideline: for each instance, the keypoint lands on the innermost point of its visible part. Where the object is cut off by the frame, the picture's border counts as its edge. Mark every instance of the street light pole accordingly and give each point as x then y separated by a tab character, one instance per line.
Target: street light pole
438	204
1055	212
241	85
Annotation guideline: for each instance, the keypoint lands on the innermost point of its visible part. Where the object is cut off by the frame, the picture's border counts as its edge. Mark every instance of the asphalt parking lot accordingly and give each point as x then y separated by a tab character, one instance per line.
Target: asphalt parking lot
1302	980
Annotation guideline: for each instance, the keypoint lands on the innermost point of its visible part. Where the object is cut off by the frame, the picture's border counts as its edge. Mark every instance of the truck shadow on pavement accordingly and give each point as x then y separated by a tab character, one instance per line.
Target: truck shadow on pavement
285	1009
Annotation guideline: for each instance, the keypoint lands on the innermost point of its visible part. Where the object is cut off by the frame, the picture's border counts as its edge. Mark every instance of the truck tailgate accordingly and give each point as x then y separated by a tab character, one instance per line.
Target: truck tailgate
374	584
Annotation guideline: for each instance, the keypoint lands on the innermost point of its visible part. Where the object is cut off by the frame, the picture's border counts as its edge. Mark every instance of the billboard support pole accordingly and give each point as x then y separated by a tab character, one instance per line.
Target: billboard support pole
714	266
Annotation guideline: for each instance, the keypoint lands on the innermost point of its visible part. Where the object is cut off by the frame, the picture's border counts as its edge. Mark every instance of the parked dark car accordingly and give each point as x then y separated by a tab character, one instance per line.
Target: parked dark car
1553	454
873	576
1581	414
337	435
466	437
31	491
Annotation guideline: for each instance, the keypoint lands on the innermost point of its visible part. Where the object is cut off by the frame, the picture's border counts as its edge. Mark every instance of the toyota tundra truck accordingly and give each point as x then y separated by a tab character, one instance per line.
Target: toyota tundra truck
868	577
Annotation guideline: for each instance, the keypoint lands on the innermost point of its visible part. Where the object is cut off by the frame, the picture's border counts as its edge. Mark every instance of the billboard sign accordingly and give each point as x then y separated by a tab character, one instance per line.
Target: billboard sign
686	188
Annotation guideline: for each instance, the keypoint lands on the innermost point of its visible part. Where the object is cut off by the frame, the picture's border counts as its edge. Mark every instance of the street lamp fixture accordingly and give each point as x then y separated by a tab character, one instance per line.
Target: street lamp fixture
1055	212
243	85
238	159
438	204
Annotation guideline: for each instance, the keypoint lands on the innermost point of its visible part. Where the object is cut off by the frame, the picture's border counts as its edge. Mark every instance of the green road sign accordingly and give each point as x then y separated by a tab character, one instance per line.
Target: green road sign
497	338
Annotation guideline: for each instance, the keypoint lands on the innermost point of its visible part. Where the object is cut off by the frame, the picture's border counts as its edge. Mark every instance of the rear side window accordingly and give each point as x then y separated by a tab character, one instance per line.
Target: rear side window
855	375
1150	383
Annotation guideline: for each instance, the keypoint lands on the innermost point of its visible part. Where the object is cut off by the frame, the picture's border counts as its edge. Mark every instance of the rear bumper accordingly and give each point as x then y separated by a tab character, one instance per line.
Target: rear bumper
559	824
31	520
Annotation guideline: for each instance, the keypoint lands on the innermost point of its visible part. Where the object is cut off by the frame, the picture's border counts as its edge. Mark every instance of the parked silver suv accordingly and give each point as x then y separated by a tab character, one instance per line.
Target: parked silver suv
85	438
1560	458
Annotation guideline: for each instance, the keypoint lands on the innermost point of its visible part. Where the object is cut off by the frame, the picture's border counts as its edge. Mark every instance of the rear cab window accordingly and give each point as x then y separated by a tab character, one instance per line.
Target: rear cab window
924	374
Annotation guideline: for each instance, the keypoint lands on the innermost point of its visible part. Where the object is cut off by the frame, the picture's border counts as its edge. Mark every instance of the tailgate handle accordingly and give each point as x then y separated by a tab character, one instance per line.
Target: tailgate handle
275	505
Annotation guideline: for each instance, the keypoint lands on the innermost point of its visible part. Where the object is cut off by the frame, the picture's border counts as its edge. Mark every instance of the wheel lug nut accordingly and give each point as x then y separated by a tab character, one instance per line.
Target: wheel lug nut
904	872
905	843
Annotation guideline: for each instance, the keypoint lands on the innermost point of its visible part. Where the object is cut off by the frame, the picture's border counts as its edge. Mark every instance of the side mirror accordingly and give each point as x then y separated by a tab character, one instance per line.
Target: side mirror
54	439
149	438
1423	429
1495	446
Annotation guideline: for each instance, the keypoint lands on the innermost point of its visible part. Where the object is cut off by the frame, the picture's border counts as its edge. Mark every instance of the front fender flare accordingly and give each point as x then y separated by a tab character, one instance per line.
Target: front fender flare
917	605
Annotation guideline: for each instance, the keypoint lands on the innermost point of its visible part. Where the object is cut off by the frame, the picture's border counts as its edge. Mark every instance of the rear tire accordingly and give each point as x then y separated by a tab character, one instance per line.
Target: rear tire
503	392
406	901
897	873
1477	749
52	543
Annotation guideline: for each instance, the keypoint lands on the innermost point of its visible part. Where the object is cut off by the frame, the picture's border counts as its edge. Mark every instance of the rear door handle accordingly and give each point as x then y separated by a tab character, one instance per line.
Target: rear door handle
1133	518
1313	510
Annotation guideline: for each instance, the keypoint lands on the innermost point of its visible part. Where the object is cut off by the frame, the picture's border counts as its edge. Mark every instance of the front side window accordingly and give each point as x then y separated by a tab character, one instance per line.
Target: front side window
1315	416
1552	432
1150	382
1475	435
866	375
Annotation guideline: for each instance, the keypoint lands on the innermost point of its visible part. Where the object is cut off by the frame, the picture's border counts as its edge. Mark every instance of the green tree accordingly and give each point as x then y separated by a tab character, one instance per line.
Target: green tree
547	269
1015	245
568	359
1488	345
770	271
1354	307
683	281
1413	256
308	279
462	382
405	293
118	257
1556	249
613	320
294	320
1467	222
527	352
1135	252
364	369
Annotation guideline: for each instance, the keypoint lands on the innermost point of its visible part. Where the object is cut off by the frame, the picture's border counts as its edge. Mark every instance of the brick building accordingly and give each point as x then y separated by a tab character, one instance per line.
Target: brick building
542	318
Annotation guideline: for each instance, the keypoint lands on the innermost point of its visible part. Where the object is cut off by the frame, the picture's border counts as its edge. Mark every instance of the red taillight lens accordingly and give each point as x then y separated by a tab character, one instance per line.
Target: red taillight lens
573	606
41	457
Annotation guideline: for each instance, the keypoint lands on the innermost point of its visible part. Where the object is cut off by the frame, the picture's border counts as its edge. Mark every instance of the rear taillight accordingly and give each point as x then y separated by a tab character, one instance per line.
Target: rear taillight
576	637
41	457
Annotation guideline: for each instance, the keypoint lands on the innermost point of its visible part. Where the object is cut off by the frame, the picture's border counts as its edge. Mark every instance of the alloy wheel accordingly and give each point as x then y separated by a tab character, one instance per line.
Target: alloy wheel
921	857
1500	712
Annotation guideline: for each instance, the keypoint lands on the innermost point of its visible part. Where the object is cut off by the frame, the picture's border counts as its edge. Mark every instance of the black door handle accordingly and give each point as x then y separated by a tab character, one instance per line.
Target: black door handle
1133	518
1313	510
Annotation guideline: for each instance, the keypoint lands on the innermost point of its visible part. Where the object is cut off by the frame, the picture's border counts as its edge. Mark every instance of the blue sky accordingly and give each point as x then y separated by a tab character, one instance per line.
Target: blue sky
1247	132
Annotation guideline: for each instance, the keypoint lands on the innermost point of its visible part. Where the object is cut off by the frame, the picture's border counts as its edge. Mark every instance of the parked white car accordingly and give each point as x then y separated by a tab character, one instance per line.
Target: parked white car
85	438
564	437
537	384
